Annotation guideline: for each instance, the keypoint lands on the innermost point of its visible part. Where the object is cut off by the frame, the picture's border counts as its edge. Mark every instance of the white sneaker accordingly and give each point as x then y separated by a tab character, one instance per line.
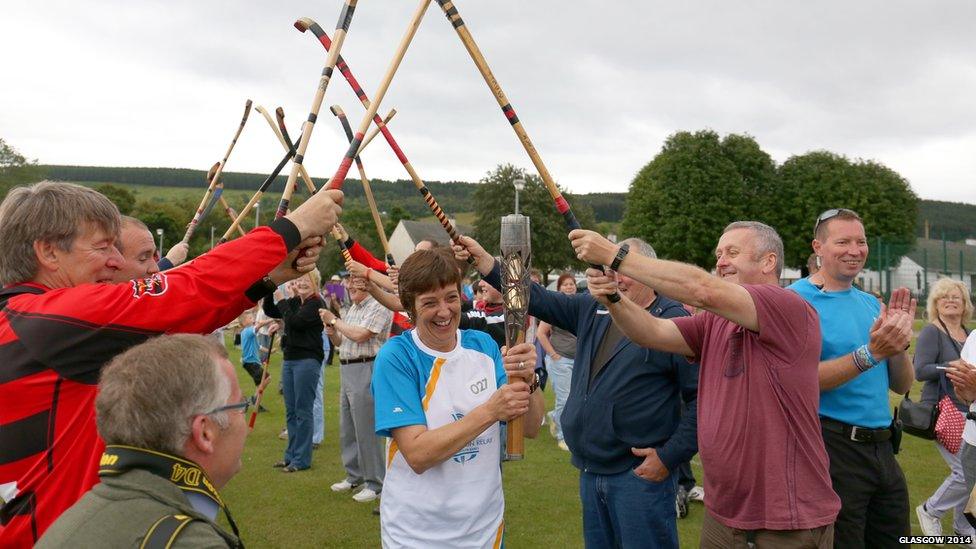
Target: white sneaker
696	494
343	486
930	524
365	495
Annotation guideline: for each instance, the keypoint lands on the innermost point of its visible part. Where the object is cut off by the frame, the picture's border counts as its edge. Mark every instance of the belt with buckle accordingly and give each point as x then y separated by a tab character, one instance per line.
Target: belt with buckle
855	433
357	360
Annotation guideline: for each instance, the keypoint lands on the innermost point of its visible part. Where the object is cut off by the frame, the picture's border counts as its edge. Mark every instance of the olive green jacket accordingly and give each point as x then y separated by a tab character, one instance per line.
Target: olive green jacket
118	512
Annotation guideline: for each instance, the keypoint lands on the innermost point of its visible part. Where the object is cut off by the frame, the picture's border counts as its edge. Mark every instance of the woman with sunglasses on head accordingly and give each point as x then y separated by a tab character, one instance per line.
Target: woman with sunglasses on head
303	354
937	352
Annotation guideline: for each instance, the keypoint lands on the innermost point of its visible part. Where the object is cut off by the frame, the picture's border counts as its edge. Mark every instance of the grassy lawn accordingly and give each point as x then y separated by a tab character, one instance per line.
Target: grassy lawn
541	493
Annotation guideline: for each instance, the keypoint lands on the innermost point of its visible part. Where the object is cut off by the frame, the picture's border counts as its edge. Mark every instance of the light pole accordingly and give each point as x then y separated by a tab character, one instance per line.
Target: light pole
211	236
257	214
519	185
159	233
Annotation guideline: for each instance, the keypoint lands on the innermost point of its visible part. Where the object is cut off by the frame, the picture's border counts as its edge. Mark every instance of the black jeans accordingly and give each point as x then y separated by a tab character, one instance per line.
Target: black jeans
872	490
253	369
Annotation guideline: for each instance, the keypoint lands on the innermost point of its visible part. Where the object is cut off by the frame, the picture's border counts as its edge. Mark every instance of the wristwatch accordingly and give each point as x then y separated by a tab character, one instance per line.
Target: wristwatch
535	384
621	254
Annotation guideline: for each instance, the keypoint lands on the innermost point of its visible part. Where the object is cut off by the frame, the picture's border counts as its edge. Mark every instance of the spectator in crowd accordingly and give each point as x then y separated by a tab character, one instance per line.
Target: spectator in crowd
813	264
170	404
303	354
358	336
863	356
440	395
766	470
250	351
560	348
63	321
622	421
138	249
939	347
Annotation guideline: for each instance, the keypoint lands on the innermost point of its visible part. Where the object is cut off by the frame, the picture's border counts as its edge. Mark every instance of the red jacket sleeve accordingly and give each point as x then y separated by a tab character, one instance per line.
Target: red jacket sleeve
363	256
197	297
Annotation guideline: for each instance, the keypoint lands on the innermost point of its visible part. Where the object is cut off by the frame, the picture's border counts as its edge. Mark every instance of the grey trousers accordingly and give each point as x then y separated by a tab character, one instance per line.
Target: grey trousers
362	450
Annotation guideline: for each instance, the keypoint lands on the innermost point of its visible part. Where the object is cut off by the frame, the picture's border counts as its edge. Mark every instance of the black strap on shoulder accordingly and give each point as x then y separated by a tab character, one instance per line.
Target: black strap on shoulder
164	531
7	293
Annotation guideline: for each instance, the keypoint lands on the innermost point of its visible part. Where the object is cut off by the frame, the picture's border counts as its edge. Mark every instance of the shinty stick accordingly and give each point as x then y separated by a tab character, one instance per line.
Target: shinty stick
450	10
342	27
337	110
257	196
286	141
198	216
260	393
343	67
336	181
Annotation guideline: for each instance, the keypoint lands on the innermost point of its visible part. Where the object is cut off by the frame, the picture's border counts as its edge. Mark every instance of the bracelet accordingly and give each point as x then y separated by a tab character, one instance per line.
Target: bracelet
863	359
535	384
621	254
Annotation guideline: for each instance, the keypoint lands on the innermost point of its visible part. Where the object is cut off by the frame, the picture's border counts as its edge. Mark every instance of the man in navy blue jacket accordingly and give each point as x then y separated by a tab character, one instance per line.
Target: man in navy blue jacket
623	420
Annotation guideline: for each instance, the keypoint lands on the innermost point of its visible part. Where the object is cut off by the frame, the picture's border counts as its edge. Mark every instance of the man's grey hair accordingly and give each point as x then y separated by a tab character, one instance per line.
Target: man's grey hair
148	395
47	212
641	247
767	240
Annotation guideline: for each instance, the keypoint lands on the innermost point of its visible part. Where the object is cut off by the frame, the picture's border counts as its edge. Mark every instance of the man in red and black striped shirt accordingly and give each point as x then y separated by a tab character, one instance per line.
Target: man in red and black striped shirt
61	320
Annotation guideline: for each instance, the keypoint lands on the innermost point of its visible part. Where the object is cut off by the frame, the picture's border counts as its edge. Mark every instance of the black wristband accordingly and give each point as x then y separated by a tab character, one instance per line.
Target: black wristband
621	254
614	297
260	289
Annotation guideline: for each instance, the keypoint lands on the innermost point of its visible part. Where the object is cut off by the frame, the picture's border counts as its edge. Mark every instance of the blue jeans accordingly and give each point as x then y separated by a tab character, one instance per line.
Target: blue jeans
560	375
318	410
299	379
624	510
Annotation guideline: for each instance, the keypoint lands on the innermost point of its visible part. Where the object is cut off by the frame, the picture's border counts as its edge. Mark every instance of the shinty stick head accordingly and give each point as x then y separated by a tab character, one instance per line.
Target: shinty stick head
212	172
516	248
304	23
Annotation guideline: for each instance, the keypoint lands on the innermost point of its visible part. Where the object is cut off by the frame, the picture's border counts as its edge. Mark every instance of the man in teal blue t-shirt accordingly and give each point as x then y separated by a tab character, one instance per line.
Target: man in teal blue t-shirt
862	358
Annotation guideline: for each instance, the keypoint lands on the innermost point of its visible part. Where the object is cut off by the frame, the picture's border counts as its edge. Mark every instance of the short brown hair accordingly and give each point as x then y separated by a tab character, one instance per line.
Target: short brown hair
424	271
824	219
147	395
47	212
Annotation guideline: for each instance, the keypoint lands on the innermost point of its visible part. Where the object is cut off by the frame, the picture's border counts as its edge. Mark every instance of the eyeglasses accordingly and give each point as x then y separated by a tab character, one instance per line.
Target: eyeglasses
828	215
242	406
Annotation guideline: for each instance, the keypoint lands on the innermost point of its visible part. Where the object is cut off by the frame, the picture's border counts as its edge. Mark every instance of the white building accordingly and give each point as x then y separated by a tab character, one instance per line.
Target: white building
408	233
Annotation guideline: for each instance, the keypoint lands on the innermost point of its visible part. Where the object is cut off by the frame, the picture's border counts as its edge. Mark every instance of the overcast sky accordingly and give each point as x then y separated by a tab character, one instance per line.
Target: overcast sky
598	85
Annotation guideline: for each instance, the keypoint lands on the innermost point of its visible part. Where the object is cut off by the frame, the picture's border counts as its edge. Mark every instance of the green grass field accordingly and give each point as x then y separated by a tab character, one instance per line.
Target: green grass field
541	493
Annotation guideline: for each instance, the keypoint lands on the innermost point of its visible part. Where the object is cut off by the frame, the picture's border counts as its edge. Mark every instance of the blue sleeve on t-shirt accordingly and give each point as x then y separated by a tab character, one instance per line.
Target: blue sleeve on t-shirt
398	385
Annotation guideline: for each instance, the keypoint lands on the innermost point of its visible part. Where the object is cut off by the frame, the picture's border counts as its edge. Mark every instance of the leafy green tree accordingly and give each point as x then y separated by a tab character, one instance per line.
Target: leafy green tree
15	169
495	197
693	188
393	218
817	181
124	199
161	215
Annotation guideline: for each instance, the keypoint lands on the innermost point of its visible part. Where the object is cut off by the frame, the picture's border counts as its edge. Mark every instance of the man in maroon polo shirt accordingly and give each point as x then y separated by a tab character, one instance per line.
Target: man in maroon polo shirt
766	470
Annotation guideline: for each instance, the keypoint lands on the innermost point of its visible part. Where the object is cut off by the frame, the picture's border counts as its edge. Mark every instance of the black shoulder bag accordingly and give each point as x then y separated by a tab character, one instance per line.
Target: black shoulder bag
919	418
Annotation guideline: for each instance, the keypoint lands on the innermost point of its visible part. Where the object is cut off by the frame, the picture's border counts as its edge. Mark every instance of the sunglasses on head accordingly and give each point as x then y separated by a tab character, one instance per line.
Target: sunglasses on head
828	215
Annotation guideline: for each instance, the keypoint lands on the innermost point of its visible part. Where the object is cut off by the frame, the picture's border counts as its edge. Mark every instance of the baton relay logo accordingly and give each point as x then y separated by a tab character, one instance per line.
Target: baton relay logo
154	285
